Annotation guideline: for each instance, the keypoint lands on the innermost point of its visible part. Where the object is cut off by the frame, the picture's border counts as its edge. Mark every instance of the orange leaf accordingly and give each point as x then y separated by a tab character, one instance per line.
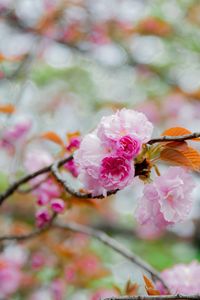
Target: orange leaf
176	157
152	292
149	286
148	282
194	157
178	131
53	137
7	108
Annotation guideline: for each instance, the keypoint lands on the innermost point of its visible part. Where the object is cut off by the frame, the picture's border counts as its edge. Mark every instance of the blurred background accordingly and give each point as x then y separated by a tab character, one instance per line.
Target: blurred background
63	65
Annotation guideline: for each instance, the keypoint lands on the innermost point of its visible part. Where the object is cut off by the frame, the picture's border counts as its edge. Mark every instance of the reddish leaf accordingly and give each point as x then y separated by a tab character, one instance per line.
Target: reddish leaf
194	157
149	286
178	131
53	137
7	108
174	156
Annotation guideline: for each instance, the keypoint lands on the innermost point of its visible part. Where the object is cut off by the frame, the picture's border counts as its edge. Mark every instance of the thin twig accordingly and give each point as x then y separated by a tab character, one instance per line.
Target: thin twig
181	138
97	234
13	187
54	169
115	245
160	297
63	182
30	235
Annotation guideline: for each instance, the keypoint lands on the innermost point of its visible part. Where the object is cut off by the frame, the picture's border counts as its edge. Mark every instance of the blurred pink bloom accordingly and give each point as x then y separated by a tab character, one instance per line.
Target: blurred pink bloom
17	131
182	279
99	35
128	146
57	205
38	261
42	217
125	122
104	293
10	278
58	289
173	105
36	159
115	173
167	200
151	110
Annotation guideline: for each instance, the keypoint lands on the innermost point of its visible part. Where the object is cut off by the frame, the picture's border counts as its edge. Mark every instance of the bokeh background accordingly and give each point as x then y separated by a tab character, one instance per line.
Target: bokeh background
63	65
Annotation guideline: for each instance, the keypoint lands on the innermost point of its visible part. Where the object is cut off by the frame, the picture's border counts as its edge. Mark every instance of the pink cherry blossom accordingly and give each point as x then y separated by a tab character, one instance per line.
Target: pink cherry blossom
128	146
115	173
73	144
104	159
182	279
17	131
10	278
125	122
71	167
167	200
42	217
57	205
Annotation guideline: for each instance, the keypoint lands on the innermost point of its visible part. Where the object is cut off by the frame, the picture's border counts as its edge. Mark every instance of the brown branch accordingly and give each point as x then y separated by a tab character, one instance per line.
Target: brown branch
54	169
115	245
97	234
181	138
63	182
13	187
31	234
160	297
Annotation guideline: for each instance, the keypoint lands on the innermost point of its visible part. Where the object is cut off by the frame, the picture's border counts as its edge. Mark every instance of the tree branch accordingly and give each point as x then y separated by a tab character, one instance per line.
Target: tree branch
62	181
181	138
115	245
54	169
160	297
13	187
31	234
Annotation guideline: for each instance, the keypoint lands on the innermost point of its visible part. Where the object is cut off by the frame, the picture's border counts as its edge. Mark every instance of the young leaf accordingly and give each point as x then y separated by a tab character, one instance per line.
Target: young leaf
149	286
7	108
53	137
194	157
176	157
178	131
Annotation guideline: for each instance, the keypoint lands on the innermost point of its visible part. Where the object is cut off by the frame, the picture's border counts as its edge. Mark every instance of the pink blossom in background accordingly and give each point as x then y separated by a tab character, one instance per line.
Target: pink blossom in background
182	279
38	261
151	110
17	131
58	289
167	200
36	159
42	217
10	278
57	205
115	173
125	122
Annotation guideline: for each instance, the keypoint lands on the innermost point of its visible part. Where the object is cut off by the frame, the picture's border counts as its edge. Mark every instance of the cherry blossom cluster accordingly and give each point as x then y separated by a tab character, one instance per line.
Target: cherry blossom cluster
105	159
167	200
47	192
